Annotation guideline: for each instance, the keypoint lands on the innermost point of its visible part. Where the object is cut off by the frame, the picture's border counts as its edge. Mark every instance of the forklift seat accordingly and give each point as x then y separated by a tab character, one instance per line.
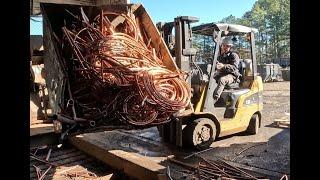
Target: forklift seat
236	84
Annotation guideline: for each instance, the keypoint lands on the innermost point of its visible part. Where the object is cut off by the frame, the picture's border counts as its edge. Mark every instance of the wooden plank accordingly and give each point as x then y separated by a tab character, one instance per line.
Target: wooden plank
34	7
111	150
282	120
75	2
37	129
108	2
35	4
106	177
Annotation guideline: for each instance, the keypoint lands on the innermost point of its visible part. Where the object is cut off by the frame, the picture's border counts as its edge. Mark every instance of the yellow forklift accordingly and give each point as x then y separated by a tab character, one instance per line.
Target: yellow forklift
240	105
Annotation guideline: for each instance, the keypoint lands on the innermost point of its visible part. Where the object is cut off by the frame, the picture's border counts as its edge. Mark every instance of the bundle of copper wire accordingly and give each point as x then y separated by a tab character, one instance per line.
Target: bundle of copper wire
117	73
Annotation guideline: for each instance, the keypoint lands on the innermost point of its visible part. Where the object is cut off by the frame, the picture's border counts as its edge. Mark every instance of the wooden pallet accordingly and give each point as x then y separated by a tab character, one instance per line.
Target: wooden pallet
70	161
282	121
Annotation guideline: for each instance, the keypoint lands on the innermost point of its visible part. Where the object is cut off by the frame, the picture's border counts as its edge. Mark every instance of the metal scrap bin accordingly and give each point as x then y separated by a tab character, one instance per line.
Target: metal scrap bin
54	16
270	72
286	74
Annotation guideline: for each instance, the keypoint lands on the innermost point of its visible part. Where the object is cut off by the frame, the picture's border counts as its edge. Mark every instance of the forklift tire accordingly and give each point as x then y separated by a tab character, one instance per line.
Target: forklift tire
253	127
200	134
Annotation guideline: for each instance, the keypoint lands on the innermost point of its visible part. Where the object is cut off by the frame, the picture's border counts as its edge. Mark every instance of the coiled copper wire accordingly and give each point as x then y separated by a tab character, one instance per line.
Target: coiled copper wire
120	74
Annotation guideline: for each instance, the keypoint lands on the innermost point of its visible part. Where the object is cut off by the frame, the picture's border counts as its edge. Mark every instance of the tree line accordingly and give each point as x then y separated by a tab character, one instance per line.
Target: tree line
272	19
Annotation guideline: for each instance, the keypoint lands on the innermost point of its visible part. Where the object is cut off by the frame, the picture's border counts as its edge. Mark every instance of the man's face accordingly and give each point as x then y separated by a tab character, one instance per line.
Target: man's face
225	48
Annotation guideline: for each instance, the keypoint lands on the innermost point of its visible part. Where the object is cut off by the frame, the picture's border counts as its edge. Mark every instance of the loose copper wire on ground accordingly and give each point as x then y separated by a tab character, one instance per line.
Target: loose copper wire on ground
118	74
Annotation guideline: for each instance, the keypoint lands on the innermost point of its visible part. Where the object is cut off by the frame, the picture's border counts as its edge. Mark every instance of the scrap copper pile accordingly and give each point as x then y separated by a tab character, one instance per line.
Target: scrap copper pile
115	73
51	162
216	169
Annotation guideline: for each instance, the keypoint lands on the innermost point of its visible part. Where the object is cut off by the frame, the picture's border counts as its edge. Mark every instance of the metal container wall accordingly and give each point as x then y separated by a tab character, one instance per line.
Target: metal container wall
286	74
53	18
270	72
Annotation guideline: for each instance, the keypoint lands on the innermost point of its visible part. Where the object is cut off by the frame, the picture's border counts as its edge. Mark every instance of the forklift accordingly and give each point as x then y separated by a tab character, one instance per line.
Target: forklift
239	107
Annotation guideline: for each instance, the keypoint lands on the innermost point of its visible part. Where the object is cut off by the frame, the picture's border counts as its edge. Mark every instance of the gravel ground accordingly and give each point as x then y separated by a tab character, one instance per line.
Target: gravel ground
270	148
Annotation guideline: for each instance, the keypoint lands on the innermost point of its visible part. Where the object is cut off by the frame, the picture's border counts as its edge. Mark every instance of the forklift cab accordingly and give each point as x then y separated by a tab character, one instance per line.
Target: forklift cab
240	104
243	40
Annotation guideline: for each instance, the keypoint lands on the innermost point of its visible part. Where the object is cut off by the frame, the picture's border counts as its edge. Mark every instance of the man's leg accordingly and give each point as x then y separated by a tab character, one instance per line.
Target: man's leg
222	82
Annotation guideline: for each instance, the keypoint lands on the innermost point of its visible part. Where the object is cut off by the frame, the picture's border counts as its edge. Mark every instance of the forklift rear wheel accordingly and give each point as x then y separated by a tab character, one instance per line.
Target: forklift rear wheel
200	133
253	127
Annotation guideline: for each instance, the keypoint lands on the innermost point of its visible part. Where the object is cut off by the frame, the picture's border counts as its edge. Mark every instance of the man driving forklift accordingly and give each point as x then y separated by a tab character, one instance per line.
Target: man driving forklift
239	106
227	68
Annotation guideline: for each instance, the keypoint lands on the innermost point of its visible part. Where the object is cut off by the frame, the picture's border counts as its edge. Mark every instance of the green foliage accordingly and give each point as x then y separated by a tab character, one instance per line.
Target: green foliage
204	45
272	19
229	19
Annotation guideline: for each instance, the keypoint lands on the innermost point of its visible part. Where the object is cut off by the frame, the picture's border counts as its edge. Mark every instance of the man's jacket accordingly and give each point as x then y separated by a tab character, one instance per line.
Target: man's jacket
231	64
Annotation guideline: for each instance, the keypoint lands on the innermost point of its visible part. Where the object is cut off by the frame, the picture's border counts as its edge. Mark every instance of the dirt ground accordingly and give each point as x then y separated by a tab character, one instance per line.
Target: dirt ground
268	151
270	148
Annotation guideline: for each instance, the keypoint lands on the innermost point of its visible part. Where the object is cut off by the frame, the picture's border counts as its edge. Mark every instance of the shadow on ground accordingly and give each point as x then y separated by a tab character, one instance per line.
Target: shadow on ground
269	159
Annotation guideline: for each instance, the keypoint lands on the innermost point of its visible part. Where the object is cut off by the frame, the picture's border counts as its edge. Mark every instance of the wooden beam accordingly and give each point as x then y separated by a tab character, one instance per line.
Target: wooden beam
108	2
75	2
35	4
37	129
106	146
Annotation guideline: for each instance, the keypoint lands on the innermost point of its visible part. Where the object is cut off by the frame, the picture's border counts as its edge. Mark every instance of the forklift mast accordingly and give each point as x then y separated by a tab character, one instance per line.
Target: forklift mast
180	44
183	43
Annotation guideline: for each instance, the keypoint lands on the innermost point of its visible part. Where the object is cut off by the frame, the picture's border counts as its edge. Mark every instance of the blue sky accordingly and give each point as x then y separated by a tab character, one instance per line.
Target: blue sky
35	26
206	10
167	10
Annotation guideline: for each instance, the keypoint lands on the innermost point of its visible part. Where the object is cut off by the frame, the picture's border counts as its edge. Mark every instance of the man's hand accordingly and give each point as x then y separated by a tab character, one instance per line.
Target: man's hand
220	65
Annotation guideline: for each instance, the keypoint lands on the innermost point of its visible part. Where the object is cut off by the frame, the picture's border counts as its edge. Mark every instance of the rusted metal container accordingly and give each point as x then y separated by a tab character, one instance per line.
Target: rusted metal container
54	16
270	72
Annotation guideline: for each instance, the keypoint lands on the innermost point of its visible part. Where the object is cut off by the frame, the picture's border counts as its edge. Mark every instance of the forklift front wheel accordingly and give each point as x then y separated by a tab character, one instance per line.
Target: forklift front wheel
253	127
200	133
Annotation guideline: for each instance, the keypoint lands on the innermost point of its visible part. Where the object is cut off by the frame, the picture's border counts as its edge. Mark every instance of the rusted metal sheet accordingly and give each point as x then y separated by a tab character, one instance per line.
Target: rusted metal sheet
55	75
119	73
157	40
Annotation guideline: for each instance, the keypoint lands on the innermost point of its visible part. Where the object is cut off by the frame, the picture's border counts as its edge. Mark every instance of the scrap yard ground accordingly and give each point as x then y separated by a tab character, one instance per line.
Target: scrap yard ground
270	148
268	151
